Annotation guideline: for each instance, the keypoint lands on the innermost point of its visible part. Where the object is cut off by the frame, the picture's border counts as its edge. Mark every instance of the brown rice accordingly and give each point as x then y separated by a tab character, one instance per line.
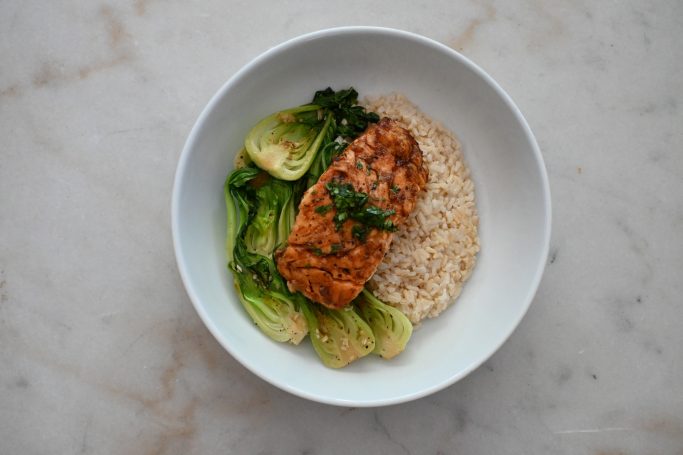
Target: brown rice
434	253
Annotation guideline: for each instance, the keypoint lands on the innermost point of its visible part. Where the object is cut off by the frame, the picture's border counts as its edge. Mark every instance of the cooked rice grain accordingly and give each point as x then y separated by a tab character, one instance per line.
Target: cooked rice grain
434	253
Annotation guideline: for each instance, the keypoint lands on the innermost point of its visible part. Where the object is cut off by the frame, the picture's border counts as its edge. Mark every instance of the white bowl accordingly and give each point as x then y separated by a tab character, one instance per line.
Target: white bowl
512	196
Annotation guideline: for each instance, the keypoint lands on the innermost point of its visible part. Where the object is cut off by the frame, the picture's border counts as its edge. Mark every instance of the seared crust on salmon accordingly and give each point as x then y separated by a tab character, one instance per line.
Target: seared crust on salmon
328	261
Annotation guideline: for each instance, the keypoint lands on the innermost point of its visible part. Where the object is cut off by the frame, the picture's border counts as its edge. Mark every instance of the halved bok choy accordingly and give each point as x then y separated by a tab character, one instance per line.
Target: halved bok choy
392	328
260	213
338	336
285	143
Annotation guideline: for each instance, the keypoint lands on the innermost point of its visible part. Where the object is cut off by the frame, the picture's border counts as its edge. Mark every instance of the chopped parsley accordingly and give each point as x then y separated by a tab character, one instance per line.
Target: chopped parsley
360	232
359	165
374	216
323	209
395	189
352	204
345	197
319	251
351	119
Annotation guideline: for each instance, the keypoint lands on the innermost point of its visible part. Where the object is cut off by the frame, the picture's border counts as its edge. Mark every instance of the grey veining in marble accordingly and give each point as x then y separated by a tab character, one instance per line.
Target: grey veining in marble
101	350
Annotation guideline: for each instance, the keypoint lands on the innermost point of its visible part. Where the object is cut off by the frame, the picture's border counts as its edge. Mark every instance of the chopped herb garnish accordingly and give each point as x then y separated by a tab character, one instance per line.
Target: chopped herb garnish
323	209
359	165
344	196
352	204
374	216
395	189
319	252
351	119
339	219
360	232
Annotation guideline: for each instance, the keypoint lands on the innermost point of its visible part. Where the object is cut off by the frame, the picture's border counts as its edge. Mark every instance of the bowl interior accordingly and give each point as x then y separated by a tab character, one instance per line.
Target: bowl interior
511	191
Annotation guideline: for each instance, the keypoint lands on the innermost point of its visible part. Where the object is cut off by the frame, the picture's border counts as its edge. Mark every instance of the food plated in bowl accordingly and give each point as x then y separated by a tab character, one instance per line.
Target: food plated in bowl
312	208
512	210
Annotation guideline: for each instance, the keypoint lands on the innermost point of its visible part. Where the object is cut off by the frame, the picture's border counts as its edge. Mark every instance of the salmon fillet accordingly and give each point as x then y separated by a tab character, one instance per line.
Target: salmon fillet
329	260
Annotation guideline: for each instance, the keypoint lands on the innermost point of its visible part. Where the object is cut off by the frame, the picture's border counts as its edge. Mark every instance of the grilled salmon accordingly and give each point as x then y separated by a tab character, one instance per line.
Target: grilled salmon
346	220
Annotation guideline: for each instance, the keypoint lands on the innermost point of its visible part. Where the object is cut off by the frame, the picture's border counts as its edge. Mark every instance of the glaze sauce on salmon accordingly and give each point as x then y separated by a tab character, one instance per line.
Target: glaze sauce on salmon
346	220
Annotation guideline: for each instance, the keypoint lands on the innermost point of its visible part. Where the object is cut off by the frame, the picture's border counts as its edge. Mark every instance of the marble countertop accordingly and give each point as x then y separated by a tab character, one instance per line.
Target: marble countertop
101	350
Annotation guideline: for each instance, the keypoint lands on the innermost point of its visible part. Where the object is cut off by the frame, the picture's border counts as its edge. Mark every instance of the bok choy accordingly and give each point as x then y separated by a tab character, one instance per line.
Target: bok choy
392	328
284	154
260	212
338	336
286	143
